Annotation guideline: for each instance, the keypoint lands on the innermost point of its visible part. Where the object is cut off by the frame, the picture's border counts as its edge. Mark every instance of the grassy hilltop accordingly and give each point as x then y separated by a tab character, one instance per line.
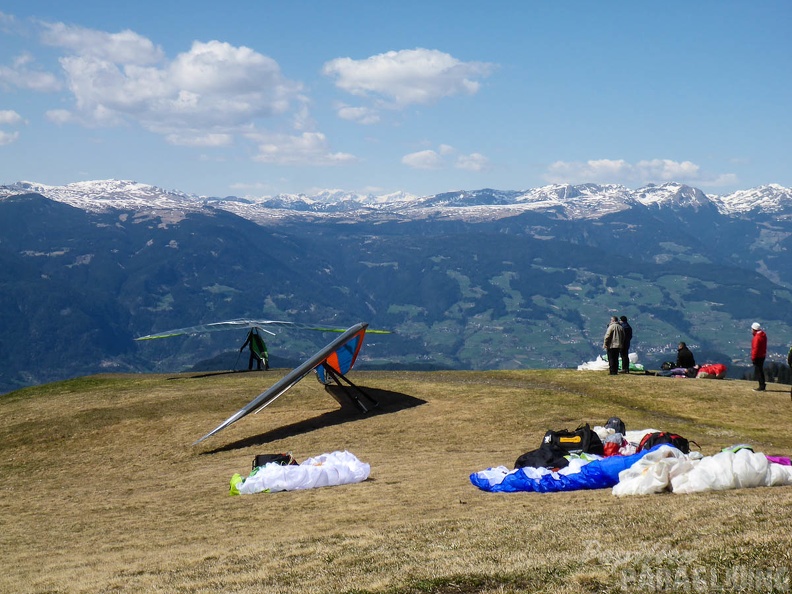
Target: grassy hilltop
102	490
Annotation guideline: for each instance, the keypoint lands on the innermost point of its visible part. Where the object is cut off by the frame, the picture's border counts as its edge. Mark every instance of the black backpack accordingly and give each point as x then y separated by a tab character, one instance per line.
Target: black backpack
281	459
652	439
547	455
581	440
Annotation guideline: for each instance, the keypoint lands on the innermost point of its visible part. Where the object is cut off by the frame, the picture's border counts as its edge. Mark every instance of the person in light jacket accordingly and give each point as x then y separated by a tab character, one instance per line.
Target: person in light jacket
614	337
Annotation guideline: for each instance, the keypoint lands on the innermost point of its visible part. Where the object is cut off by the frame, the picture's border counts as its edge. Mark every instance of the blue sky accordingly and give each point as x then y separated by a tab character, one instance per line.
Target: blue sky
262	97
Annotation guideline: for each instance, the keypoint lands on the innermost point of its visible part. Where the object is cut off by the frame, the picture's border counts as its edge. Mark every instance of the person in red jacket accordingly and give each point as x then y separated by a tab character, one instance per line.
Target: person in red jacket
758	354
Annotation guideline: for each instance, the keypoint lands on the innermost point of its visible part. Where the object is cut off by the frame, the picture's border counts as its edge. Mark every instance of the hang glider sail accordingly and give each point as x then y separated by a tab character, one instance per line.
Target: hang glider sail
334	360
245	323
341	360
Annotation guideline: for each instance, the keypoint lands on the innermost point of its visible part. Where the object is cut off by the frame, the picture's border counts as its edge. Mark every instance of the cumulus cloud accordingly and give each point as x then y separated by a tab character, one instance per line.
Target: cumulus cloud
444	157
9	117
361	115
472	162
8	137
398	79
213	84
197	138
427	159
126	47
309	148
23	74
207	96
643	172
59	116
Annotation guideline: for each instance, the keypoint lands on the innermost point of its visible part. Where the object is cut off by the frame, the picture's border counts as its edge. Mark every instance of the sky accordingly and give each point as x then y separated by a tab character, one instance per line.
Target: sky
258	98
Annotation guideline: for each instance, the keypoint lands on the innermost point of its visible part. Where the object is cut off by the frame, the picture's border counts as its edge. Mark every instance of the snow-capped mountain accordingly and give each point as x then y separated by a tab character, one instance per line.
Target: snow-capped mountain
561	201
102	195
106	261
768	199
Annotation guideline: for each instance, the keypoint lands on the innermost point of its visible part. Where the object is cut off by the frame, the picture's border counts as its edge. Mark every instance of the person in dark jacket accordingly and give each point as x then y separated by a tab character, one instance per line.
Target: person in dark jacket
625	347
685	358
789	362
258	350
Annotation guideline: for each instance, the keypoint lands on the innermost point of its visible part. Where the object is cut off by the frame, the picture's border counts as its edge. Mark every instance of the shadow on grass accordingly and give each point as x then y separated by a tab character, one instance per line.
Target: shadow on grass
214	373
389	402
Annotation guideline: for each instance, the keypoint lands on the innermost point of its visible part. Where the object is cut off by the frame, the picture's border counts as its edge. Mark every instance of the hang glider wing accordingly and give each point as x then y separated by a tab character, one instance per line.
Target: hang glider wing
336	354
341	359
245	323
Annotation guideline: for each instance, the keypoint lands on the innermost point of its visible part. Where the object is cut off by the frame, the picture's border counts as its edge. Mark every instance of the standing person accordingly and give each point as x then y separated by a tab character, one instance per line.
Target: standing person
258	350
758	354
625	347
789	362
614	336
685	357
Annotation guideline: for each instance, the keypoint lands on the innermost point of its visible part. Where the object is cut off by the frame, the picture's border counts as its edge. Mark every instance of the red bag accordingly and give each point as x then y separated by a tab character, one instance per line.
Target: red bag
652	439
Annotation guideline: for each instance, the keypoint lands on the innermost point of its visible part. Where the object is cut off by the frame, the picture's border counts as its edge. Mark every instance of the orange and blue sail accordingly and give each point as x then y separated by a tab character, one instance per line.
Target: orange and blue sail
343	358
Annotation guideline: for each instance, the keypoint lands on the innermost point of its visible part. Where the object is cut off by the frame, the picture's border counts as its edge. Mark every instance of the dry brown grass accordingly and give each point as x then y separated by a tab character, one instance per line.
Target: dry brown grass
102	491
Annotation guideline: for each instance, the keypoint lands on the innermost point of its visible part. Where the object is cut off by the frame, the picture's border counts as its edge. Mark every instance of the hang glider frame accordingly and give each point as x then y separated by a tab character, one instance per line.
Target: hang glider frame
350	390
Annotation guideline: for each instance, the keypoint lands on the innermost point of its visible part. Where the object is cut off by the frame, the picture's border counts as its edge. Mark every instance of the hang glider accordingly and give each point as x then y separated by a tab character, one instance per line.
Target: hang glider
245	323
341	360
334	360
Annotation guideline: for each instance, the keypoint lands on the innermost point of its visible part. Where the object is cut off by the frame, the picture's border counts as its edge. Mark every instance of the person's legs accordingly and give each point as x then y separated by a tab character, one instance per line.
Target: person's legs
625	359
759	373
613	361
250	361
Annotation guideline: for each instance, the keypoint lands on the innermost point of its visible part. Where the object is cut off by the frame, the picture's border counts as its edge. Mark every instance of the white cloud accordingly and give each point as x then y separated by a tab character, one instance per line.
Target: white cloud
407	77
8	137
214	84
309	148
207	96
428	159
361	115
126	47
622	172
446	156
200	139
9	117
472	162
22	74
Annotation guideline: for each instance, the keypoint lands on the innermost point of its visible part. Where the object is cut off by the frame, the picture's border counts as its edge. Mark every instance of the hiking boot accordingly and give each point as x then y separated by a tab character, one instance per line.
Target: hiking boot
758	389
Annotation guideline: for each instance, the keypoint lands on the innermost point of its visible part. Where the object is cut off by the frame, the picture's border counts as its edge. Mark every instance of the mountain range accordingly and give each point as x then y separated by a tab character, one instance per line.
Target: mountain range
484	279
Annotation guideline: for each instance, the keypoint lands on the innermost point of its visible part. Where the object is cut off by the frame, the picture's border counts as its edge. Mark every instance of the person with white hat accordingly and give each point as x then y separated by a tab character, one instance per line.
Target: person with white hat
758	354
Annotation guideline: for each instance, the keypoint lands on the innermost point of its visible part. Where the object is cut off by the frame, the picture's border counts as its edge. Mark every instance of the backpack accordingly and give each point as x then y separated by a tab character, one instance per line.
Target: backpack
652	439
581	440
280	459
547	455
